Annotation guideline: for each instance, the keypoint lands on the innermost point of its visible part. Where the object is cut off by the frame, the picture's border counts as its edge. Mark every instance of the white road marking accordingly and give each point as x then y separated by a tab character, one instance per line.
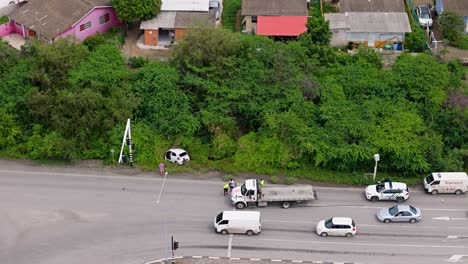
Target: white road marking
379	226
446	218
456	258
357	244
162	188
297	261
254	259
235	258
452	237
197	256
213	257
276	260
377	207
229	246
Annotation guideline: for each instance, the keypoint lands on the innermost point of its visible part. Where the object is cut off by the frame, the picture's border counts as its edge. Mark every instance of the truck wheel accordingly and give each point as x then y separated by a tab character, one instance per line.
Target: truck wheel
387	221
434	192
412	220
249	232
224	232
324	234
349	235
286	205
374	199
240	205
458	192
400	199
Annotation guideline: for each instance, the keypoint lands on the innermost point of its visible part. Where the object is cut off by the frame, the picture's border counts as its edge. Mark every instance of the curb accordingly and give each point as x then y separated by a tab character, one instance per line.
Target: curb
248	259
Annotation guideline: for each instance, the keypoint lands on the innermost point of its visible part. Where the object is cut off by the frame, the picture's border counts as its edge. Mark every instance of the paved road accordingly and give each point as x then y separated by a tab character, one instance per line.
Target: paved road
59	215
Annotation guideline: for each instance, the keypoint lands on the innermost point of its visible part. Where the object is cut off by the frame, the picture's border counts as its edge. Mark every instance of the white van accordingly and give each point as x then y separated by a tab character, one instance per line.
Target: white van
238	222
446	182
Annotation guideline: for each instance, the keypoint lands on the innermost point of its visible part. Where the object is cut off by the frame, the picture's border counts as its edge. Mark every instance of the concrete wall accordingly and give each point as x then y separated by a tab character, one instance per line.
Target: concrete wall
339	38
95	28
377	40
151	37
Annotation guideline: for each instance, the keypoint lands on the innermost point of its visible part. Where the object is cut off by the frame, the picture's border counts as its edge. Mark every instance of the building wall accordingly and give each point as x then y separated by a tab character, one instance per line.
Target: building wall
7	28
180	33
378	40
151	37
96	26
249	26
339	37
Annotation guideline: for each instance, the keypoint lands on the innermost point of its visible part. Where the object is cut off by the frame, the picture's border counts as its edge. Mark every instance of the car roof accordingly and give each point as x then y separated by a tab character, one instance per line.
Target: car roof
424	8
403	207
342	220
395	185
245	215
177	151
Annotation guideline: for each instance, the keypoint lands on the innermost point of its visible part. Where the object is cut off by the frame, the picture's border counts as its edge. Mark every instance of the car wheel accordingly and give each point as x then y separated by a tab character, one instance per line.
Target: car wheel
434	192
240	205
458	192
387	221
400	200
412	220
286	205
374	199
224	232
249	232
324	234
349	235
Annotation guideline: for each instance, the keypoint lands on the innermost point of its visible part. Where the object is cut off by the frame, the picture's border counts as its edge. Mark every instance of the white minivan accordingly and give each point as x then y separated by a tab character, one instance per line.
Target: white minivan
446	182
238	222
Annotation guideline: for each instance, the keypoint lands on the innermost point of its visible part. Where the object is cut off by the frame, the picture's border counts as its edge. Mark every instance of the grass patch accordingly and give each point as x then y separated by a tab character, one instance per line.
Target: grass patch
228	17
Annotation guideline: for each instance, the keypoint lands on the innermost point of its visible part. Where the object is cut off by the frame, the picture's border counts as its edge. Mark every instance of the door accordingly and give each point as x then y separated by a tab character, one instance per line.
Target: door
223	225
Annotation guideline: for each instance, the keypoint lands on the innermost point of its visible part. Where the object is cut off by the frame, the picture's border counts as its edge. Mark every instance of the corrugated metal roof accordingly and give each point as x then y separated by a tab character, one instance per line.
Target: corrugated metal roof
185	5
372	6
180	19
460	7
370	22
274	8
52	17
286	26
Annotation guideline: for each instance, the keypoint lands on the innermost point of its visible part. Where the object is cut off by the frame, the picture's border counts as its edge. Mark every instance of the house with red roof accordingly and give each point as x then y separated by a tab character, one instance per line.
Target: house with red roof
275	18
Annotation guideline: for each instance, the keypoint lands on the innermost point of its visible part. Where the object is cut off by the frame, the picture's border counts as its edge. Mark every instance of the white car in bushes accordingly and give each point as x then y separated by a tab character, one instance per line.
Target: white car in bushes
178	156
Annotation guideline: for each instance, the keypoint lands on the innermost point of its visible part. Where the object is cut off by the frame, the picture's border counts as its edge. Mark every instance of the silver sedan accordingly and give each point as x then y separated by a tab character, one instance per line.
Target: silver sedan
399	213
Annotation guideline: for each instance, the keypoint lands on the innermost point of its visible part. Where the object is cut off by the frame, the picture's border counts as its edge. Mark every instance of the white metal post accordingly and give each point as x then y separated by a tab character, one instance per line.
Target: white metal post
376	158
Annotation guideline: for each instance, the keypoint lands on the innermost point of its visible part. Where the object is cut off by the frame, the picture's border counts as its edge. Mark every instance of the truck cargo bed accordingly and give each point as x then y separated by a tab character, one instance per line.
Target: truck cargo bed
287	193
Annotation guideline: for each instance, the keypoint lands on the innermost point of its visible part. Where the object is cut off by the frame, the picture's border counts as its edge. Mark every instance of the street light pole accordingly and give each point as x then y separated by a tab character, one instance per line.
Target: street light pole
376	158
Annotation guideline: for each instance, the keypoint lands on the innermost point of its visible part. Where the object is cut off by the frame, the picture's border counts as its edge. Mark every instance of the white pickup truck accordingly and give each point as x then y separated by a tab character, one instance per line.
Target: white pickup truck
250	193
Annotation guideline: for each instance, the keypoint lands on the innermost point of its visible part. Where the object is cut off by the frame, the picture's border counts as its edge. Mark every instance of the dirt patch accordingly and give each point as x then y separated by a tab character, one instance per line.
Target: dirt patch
130	48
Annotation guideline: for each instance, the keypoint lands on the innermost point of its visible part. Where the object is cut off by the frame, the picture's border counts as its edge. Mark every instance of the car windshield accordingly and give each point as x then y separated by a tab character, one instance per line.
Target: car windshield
219	217
243	189
183	154
393	210
328	223
380	187
425	12
429	179
413	210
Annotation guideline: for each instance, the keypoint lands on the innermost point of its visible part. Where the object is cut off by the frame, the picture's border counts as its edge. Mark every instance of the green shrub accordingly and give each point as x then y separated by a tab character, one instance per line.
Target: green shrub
227	177
290	180
222	146
228	17
274	179
464	43
137	62
3	20
94	41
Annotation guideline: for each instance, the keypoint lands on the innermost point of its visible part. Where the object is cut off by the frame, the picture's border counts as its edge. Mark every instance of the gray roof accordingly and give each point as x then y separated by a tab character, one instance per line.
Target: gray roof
369	22
52	17
274	8
179	19
459	7
371	6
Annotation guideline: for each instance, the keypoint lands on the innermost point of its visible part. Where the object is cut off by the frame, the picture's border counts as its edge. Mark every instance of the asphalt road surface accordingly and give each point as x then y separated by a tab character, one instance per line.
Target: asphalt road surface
51	215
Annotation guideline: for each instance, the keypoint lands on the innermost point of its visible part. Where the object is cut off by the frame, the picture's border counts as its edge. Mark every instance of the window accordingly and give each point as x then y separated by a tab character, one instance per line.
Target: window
435	183
224	222
413	210
104	19
219	217
405	213
85	26
254	19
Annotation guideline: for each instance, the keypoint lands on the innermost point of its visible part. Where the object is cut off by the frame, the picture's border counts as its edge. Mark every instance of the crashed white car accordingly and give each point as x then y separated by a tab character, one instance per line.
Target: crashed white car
178	156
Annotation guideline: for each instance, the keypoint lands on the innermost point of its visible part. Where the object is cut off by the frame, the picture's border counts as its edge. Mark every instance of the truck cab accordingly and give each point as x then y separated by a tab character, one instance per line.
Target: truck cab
246	193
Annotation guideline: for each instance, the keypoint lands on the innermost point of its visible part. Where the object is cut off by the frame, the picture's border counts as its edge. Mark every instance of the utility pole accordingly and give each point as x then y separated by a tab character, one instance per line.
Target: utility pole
127	140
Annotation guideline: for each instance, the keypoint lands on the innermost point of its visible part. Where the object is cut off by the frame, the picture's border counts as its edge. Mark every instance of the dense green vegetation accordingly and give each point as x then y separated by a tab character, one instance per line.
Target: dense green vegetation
230	9
129	10
236	103
452	27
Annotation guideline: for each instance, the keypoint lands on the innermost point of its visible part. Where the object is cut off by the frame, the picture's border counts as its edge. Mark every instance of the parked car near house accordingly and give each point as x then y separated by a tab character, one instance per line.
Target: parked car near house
178	156
424	15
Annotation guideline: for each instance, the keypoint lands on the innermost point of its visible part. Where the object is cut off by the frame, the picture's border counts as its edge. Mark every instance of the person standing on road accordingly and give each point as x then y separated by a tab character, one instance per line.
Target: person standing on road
226	188
161	168
231	185
262	182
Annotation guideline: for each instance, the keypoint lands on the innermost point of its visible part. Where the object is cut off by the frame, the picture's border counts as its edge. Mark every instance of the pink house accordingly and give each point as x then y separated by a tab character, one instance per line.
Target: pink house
50	20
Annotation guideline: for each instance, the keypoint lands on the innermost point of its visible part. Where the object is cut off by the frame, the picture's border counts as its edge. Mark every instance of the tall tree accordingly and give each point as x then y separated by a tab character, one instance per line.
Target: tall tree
129	10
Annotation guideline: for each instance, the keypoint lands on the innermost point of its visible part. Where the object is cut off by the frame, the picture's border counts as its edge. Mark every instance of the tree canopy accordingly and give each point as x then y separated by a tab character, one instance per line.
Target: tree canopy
129	10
